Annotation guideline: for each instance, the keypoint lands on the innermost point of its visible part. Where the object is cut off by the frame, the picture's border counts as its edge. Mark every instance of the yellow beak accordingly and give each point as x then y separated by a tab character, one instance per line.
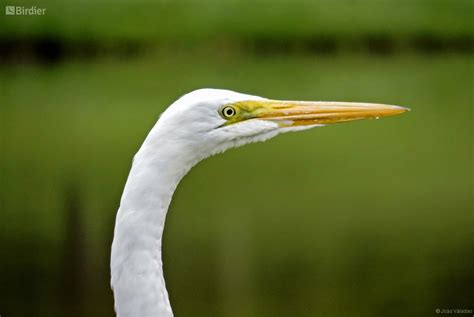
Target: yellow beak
301	113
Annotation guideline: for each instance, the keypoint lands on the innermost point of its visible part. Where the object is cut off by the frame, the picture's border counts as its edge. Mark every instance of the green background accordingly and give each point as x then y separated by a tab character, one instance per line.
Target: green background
370	218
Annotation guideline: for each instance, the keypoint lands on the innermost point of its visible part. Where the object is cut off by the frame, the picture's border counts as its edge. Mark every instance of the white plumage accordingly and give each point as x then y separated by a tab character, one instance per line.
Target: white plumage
196	126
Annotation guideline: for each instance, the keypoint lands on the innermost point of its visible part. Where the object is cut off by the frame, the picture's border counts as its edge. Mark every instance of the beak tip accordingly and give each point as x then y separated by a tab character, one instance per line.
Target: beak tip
401	109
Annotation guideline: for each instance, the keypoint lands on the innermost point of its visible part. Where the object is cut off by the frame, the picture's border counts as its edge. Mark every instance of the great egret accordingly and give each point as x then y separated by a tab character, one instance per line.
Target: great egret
199	124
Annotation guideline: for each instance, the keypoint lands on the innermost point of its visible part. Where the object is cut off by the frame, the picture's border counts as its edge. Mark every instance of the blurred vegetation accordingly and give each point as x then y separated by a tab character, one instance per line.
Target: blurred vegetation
129	27
179	21
363	219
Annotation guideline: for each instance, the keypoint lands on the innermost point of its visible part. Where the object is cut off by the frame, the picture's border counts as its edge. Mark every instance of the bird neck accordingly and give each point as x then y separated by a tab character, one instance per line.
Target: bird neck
136	260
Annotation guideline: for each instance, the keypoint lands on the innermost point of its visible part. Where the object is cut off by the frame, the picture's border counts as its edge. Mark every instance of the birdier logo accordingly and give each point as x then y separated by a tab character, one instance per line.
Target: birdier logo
10	10
20	10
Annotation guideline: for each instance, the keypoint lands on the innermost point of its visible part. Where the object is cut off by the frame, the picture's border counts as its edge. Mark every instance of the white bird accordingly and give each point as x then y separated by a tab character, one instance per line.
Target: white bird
199	124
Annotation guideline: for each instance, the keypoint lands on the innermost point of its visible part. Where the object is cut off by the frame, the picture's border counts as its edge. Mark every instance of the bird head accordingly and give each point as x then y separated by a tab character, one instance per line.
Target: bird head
210	121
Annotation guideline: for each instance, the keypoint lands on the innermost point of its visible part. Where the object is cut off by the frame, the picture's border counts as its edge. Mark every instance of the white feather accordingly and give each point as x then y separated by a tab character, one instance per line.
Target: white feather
187	132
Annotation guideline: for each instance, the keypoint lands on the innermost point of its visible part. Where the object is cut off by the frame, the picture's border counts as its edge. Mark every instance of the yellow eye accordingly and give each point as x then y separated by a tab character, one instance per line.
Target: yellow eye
228	112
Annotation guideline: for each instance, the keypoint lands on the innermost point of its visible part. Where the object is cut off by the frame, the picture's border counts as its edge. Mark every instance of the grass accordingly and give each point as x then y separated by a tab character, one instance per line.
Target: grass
368	218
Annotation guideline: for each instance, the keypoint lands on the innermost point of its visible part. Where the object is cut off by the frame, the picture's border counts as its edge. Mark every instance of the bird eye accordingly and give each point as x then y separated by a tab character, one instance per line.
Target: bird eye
228	112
